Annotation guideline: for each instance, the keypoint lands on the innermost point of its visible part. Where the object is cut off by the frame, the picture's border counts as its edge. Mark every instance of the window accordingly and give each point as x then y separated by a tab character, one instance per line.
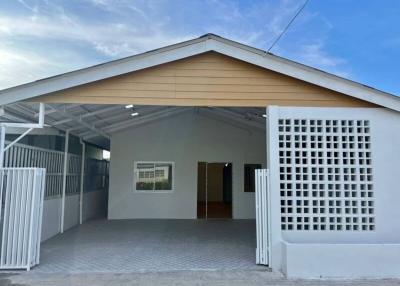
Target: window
249	179
154	176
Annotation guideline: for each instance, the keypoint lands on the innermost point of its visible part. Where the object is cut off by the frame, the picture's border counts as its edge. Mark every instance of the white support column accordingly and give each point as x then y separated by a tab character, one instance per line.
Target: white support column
2	143
64	181
82	182
274	213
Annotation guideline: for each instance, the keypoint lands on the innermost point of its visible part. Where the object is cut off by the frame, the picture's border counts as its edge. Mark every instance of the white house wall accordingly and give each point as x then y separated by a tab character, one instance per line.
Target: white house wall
353	261
313	254
71	217
94	205
51	218
385	142
184	139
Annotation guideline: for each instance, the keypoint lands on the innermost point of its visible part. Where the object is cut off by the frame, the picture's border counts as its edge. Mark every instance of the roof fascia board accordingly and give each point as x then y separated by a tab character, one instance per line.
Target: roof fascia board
304	73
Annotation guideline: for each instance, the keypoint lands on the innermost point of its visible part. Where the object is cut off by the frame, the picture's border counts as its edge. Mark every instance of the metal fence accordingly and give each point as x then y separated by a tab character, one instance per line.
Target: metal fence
96	171
21	196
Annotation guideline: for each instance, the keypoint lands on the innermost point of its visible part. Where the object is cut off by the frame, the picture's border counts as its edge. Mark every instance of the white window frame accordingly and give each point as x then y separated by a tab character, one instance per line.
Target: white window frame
135	170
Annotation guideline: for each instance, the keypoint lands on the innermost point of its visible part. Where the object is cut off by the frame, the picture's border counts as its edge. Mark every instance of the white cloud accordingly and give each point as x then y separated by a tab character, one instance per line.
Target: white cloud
29	7
314	55
112	39
122	28
61	42
120	7
22	67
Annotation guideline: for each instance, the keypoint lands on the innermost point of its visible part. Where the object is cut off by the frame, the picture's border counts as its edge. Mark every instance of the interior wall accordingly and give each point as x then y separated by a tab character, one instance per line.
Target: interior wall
185	139
51	218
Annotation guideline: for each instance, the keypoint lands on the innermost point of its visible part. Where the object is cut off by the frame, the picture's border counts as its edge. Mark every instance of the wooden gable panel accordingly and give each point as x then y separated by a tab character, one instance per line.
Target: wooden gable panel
209	79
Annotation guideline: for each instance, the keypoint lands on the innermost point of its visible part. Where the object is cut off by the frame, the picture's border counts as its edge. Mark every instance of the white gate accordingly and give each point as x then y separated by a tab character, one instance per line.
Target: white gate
21	196
262	217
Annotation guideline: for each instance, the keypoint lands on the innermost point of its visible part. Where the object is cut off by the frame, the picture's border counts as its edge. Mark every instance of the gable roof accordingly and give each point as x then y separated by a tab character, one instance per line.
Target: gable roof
206	43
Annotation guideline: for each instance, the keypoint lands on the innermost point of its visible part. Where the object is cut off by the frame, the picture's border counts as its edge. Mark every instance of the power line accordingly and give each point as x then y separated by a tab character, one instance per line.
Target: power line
288	25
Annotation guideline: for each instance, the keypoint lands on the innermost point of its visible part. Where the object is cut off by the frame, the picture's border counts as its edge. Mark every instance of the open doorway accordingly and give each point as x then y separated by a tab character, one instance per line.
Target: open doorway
214	190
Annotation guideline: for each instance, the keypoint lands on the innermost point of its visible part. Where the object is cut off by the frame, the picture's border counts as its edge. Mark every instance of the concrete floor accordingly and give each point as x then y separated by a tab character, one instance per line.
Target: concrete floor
126	246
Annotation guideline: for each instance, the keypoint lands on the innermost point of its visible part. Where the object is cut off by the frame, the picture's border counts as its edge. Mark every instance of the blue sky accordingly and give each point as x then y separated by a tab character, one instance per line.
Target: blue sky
359	40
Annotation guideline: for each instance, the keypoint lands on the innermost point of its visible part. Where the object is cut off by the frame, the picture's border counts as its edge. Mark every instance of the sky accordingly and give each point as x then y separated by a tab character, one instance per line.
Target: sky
358	40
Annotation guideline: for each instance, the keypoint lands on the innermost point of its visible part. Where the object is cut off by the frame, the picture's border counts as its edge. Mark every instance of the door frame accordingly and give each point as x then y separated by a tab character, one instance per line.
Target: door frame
197	189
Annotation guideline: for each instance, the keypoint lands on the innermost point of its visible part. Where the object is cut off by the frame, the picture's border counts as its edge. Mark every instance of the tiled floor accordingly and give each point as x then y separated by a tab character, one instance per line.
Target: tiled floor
151	245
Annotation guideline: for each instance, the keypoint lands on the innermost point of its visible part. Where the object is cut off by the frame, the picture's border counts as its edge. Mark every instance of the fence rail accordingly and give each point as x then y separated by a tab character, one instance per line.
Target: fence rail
96	171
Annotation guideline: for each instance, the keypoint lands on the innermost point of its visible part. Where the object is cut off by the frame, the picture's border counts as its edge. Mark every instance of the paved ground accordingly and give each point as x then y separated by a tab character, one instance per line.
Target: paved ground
123	246
154	252
187	278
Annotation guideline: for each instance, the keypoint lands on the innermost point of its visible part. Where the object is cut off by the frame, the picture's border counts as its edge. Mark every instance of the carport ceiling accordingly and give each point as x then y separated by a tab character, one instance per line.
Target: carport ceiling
95	123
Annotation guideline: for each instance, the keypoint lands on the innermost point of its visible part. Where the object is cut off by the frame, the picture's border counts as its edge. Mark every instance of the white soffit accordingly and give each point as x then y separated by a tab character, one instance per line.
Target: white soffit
193	47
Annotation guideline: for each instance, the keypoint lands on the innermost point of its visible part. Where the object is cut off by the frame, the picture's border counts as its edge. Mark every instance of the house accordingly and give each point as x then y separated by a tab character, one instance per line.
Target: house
188	125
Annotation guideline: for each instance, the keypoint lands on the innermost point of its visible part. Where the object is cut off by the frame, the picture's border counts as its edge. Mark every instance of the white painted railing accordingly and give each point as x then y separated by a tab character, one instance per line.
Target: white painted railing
95	178
21	155
21	196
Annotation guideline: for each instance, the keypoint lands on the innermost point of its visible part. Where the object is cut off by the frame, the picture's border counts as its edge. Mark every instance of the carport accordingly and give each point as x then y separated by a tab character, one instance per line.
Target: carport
137	244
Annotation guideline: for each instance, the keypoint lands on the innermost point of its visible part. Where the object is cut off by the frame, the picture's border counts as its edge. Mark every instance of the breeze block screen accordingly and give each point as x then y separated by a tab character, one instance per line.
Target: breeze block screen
326	181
